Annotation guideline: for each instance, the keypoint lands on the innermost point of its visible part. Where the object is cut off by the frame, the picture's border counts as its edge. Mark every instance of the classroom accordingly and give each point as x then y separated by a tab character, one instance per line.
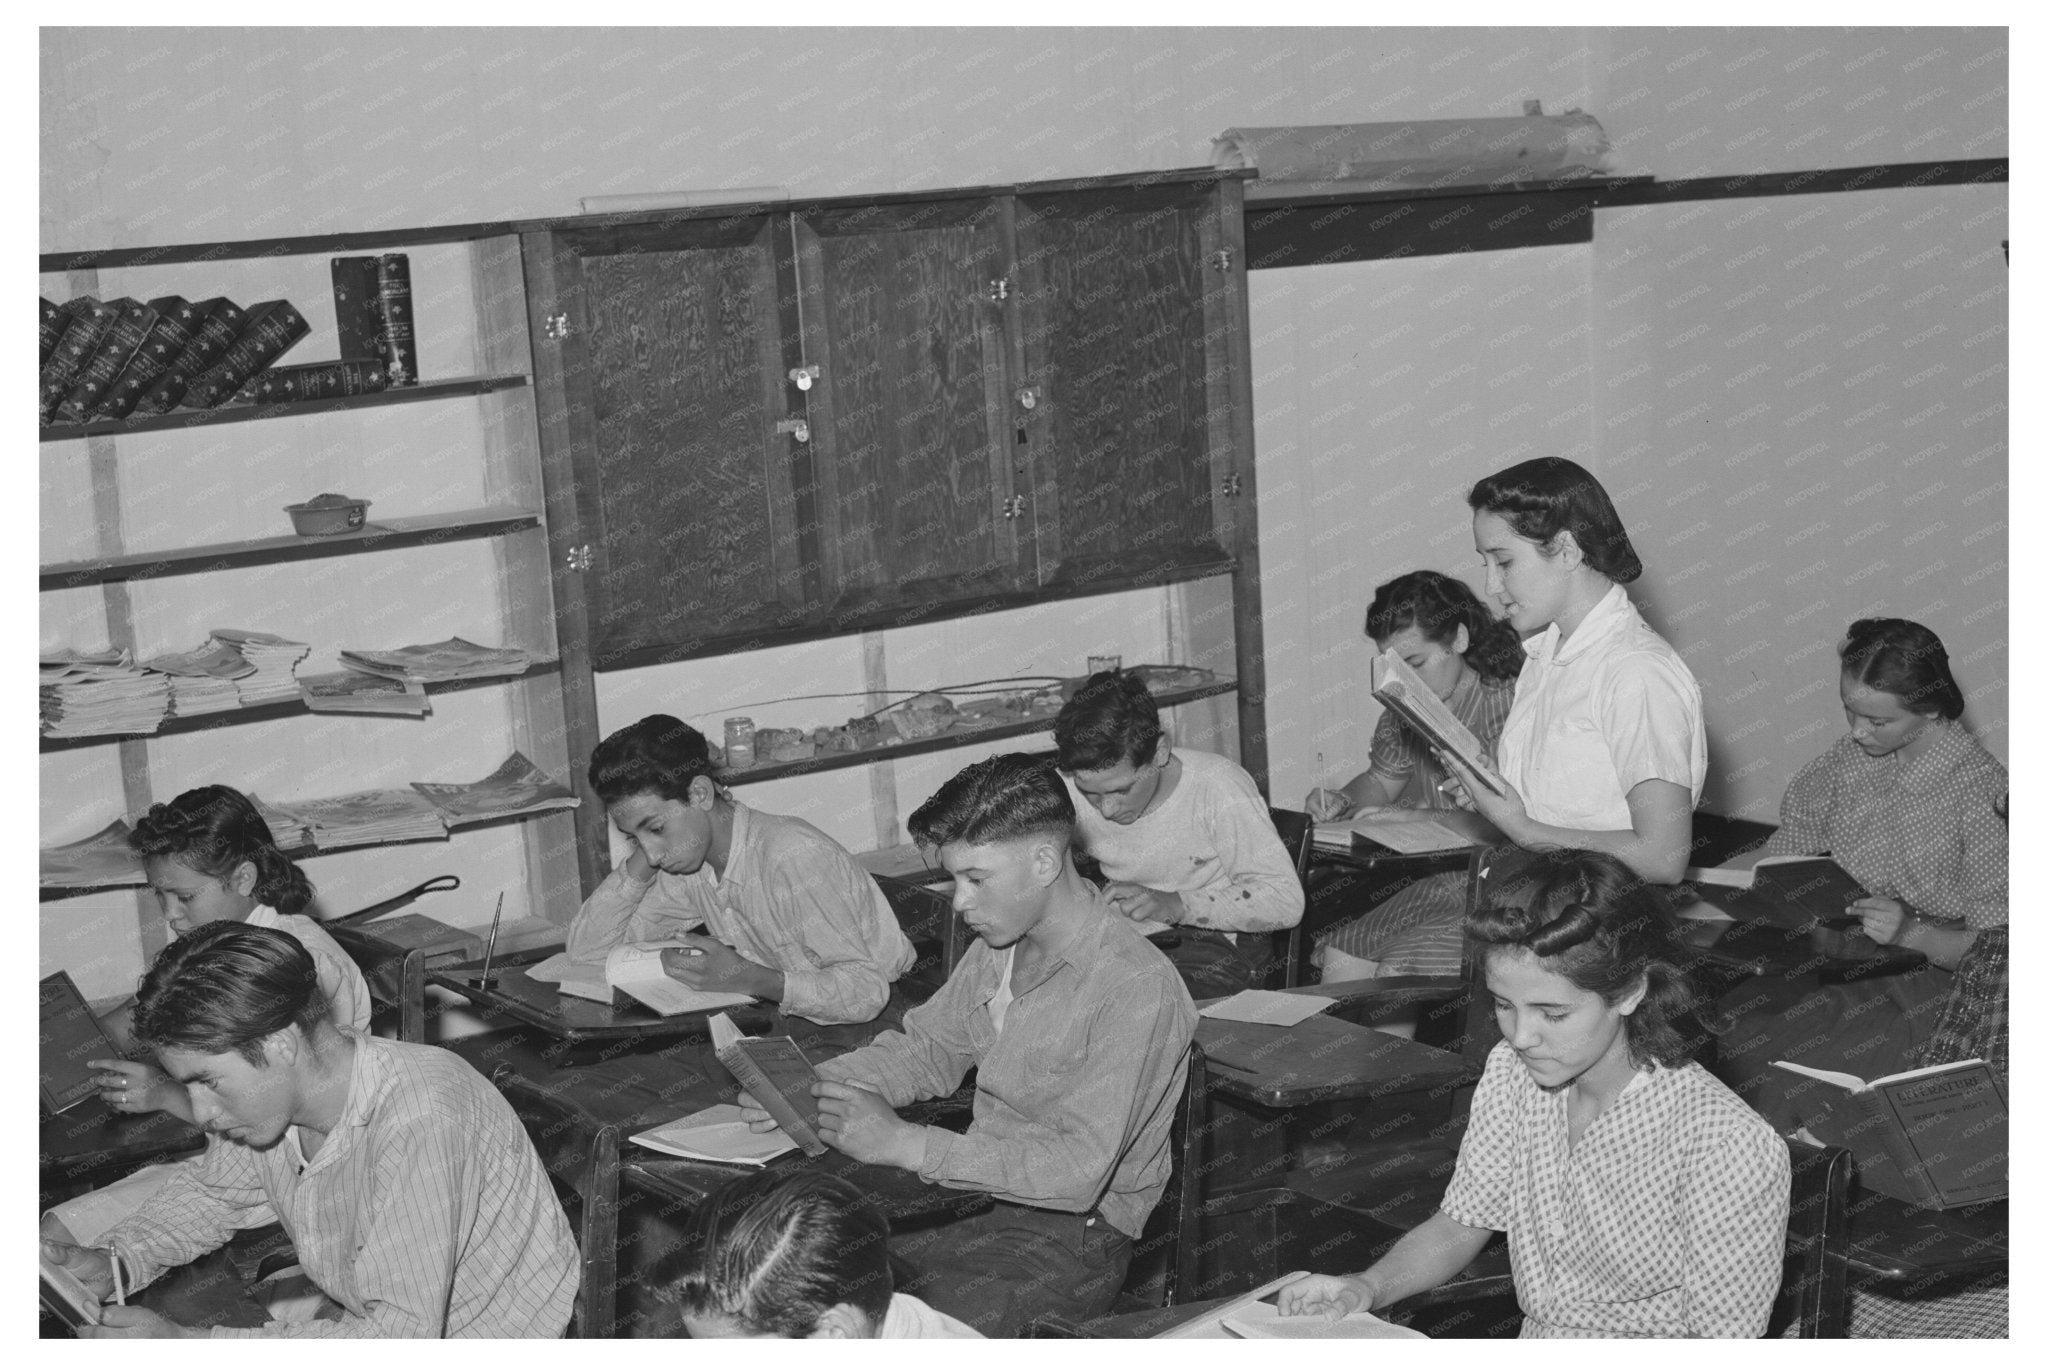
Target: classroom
652	484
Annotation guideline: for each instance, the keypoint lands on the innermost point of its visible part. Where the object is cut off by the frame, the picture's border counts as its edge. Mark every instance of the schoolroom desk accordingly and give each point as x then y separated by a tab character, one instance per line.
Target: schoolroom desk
89	1145
1890	1239
516	1000
1742	948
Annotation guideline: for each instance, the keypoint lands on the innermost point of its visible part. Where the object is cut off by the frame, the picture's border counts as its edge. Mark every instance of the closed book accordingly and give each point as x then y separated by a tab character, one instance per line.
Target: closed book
176	322
328	379
394	304
90	320
54	322
358	319
71	1036
1796	892
1936	1136
132	322
221	323
274	327
776	1073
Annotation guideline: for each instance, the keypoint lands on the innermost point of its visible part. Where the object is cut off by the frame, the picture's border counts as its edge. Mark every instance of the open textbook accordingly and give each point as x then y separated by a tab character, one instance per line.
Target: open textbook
1936	1136
635	969
1402	692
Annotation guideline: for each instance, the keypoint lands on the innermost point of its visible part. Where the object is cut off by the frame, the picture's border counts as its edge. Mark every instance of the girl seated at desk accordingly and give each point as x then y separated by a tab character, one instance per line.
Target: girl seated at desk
1639	1196
1439	628
1604	747
1908	802
209	856
799	1254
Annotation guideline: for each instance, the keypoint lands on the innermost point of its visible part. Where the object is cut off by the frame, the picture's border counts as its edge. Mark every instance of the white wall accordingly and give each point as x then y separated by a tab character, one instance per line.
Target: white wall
180	135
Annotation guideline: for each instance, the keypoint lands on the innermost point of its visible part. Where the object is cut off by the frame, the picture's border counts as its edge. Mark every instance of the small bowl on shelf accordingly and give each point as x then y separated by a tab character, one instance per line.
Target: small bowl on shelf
329	514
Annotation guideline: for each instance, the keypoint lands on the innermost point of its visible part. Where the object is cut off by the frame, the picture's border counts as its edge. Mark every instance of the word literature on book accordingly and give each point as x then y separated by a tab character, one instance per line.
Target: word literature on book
1935	1136
1408	696
778	1076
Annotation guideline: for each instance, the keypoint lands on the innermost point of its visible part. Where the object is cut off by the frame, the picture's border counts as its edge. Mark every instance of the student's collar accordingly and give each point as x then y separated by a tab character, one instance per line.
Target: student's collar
1610	616
365	1075
1948	745
737	848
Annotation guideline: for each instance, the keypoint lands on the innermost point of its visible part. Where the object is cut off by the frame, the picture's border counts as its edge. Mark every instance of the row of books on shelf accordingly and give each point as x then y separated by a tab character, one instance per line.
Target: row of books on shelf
111	359
108	693
425	810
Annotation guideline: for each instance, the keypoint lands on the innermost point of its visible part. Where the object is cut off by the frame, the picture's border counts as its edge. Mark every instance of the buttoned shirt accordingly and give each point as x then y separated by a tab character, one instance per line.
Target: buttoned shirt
1596	714
1074	1097
1922	829
1666	1220
790	898
1211	840
1403	757
425	1213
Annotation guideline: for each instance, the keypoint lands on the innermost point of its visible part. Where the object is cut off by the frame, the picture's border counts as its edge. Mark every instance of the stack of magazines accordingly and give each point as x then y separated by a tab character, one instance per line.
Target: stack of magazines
202	679
366	817
287	830
101	859
516	788
100	694
445	661
276	661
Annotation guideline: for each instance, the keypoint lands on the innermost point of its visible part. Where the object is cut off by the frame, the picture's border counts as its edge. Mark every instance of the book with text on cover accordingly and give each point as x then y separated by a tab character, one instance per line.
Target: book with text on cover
777	1074
1935	1136
1397	687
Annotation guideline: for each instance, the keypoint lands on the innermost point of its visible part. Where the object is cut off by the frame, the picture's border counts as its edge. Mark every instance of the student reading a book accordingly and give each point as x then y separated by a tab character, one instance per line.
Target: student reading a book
209	858
1640	1197
411	1194
1079	1029
1183	837
1605	746
789	915
798	1254
1469	658
1907	804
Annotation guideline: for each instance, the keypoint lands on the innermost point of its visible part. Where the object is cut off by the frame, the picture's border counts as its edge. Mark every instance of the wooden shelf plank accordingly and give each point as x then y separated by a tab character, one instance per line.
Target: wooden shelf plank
299	851
256	412
882	753
274	710
186	253
392	533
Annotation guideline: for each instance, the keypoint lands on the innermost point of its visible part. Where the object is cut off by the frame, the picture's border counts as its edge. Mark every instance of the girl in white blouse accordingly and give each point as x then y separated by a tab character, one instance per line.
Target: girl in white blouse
1639	1196
1605	747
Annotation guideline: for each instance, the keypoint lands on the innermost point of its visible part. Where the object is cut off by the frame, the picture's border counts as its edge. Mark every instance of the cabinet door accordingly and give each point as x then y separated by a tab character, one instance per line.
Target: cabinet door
1124	334
906	413
680	339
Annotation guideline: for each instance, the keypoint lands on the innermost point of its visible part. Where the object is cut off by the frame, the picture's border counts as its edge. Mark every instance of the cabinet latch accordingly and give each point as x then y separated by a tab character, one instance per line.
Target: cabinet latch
1013	507
1027	397
795	426
803	376
1233	484
999	289
556	327
1220	258
579	558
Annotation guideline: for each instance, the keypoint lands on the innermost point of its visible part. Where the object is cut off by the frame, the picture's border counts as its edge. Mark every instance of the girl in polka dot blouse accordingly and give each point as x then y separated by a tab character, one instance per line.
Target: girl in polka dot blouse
1640	1197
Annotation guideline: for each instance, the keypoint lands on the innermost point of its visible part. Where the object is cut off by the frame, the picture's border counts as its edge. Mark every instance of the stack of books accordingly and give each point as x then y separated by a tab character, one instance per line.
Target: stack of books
366	817
100	694
364	694
275	660
517	787
445	661
202	679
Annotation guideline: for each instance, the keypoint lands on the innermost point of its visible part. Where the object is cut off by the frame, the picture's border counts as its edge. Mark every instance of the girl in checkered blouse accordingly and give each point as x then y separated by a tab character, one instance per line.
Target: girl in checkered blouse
1640	1197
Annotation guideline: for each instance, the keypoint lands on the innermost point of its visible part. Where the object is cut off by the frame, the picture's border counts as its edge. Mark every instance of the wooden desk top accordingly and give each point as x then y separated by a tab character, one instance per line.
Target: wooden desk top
1760	948
1321	1059
1379	857
516	998
1893	1240
89	1138
909	1201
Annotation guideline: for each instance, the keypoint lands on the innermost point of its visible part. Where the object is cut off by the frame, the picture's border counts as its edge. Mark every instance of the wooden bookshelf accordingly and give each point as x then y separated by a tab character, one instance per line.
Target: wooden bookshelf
910	748
390	533
275	710
185	420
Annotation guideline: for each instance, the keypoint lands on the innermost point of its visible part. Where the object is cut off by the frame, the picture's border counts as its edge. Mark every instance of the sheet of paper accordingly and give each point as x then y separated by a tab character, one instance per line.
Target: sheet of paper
1261	1320
716	1134
1268	1007
558	968
1209	1326
636	969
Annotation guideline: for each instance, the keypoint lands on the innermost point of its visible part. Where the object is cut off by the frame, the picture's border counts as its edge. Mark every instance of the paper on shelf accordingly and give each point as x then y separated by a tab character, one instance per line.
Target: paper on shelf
1268	1007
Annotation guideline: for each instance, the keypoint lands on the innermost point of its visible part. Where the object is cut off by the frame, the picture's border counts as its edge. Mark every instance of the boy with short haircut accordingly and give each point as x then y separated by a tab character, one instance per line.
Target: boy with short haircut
1183	837
411	1194
791	916
1080	1032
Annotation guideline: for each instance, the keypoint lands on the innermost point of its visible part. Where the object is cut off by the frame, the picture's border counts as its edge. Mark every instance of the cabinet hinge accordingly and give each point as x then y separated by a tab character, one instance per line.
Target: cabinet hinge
1233	484
556	327
1013	507
803	376
1220	258
579	558
999	289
